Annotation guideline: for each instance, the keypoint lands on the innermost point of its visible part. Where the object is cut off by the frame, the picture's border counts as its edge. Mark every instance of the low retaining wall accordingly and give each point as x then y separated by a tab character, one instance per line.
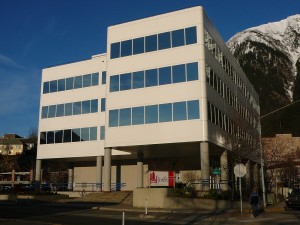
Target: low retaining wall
44	198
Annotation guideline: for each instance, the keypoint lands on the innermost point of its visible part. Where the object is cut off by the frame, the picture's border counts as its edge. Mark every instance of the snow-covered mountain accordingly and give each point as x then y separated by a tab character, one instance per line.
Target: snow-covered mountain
270	56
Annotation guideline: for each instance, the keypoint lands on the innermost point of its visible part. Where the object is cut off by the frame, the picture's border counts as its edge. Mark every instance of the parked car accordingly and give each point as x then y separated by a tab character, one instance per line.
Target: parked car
293	199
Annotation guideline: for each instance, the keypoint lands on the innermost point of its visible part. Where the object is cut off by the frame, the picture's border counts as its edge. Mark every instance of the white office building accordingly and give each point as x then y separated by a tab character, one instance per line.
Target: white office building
167	96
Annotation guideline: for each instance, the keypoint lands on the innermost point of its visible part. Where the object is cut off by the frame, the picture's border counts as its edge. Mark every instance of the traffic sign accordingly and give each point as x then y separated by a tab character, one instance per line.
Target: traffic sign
240	170
216	171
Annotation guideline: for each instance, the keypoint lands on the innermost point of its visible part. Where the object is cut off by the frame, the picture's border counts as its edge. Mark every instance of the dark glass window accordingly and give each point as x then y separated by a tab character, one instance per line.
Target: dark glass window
70	83
114	83
76	108
125	81
103	104
94	105
76	135
46	88
165	112
102	132
86	107
192	71
126	48
151	78
53	86
95	79
67	135
78	82
125	117
93	133
151	43
164	40
50	137
58	136
190	35
86	80
60	110
44	112
61	85
138	79
43	139
193	110
104	77
165	75
179	111
178	73
113	118
138	115
177	38
151	114
138	45
52	111
115	50
68	109
85	134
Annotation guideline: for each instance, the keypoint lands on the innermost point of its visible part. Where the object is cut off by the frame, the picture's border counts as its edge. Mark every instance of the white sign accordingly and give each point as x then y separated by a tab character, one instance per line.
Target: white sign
162	178
240	170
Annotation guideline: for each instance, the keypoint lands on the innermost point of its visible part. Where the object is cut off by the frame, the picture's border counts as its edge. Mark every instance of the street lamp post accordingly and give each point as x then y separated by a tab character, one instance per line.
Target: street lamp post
262	176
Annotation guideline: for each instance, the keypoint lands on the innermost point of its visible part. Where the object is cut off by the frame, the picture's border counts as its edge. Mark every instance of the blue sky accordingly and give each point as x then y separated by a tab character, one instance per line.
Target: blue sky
35	34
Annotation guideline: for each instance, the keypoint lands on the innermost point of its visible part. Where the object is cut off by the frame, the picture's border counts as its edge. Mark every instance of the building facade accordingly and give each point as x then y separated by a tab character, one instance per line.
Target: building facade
167	95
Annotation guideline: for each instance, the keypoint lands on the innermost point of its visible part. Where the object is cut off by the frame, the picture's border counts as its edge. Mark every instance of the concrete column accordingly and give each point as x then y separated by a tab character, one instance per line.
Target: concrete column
118	177
38	167
204	157
248	176
140	170
224	170
31	175
13	177
70	178
256	175
99	173
107	169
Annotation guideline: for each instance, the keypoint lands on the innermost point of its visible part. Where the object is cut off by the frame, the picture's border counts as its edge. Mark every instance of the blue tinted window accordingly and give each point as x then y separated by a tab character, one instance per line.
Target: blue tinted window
151	43
43	138
165	112
53	86
190	35
115	50
151	78
151	114
44	112
93	133
78	82
102	132
104	77
86	107
179	111
76	135
138	45
177	38
138	115
46	87
60	110
125	81
165	75
58	136
85	134
94	106
68	109
164	40
50	137
113	118
138	80
61	85
102	104
193	110
52	111
125	117
95	79
178	73
114	83
86	80
126	48
70	83
76	108
67	135
192	71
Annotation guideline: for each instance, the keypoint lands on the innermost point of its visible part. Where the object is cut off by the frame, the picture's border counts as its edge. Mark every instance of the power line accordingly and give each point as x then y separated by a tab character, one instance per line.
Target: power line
279	109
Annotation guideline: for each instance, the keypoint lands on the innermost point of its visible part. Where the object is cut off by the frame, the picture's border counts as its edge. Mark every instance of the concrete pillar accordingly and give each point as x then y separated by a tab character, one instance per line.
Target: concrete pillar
224	170
140	170
107	169
118	177
38	167
13	177
204	157
31	176
99	173
248	176
70	178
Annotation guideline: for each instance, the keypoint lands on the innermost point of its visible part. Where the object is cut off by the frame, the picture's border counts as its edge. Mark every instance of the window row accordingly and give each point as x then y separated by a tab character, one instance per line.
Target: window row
72	108
69	135
154	42
71	83
155	113
154	77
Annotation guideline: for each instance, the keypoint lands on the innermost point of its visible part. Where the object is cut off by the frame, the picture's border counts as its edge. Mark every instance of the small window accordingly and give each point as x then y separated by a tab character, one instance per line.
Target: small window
177	38
53	86
125	117
138	116
102	104
193	110
68	109
165	112
67	136
85	134
94	106
126	48
192	71
151	78
46	87
58	136
165	75
104	77
43	138
86	107
86	80
113	118
138	45
44	112
50	137
61	85
95	79
114	83
52	111
102	132
151	114
179	111
164	40
179	73
93	133
60	110
70	83
78	82
151	43
138	80
76	135
190	35
125	81
76	108
115	50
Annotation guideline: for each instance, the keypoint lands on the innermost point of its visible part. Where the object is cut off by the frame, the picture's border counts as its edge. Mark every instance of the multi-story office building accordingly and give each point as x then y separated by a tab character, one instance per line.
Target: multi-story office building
168	95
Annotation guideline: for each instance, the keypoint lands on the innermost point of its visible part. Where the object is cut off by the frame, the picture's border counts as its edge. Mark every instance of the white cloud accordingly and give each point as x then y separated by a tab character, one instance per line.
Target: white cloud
9	62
